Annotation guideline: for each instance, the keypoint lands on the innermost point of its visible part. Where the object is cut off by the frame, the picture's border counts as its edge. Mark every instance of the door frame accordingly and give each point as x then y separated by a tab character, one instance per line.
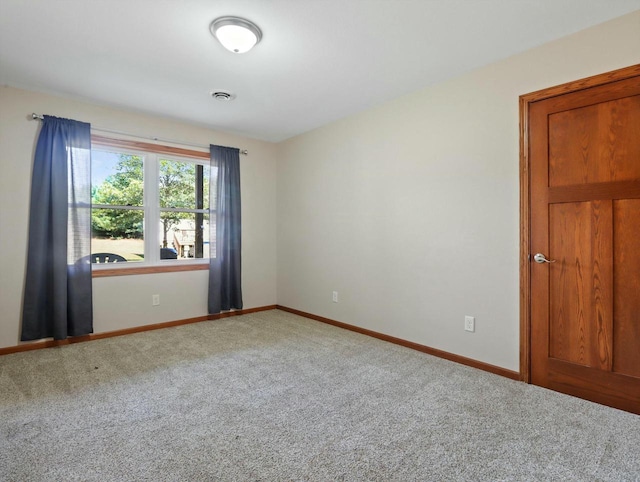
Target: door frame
525	199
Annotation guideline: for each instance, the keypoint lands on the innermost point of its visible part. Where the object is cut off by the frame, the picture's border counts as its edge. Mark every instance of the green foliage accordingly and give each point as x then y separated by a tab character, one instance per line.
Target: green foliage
125	188
176	190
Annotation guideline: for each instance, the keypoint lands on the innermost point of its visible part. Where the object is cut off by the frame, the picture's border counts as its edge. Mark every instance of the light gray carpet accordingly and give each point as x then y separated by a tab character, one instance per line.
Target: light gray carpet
272	396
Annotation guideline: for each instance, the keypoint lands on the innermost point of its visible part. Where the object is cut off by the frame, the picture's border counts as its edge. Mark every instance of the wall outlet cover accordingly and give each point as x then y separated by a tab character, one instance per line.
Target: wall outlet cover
469	323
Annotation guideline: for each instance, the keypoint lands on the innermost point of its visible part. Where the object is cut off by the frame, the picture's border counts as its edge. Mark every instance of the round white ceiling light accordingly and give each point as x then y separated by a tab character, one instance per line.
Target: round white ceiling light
236	34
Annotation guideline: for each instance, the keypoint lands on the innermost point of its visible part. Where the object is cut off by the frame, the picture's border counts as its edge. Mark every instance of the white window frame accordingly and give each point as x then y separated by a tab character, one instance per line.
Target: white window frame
151	205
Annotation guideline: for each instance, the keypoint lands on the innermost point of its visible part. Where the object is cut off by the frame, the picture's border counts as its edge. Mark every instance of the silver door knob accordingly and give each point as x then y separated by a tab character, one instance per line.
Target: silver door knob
541	258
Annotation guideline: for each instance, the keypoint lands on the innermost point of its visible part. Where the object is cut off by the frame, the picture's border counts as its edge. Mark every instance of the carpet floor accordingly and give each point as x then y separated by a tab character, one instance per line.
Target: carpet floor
275	397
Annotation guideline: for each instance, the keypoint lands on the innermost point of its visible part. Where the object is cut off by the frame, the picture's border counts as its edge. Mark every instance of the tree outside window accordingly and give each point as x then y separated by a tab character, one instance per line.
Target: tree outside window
129	189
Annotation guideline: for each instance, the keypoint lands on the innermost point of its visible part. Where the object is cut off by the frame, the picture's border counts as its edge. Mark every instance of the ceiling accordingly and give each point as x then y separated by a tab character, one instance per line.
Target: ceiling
319	60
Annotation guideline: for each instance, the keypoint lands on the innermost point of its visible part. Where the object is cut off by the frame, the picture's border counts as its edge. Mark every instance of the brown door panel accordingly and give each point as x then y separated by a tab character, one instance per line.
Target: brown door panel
596	385
584	212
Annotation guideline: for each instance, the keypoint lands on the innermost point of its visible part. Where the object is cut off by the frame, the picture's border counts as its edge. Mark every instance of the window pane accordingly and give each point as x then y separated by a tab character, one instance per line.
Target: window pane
184	235
117	232
183	185
116	178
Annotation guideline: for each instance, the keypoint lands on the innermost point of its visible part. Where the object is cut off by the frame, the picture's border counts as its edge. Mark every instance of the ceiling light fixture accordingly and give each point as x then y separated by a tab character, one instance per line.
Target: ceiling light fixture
236	34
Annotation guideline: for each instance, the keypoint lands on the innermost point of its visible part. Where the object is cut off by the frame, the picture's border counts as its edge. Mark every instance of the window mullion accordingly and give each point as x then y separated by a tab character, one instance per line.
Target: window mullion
183	210
152	211
117	206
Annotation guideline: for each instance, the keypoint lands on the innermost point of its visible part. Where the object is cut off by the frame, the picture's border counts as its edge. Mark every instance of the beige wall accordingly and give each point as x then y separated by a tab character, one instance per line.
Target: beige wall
125	301
410	210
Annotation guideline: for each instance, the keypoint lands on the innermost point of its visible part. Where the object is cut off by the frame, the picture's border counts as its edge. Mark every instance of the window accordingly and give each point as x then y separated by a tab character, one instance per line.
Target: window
117	211
150	204
184	221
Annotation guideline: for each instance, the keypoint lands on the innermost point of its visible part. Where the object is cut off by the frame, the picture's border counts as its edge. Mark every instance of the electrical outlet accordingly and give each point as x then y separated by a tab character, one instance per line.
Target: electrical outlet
155	300
469	323
334	297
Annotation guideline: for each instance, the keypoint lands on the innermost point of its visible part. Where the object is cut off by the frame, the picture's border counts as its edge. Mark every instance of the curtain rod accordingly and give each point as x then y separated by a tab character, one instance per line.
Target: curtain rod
245	152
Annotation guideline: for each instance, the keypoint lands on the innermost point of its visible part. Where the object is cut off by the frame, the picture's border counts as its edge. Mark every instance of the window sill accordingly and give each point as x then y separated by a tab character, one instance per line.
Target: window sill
103	273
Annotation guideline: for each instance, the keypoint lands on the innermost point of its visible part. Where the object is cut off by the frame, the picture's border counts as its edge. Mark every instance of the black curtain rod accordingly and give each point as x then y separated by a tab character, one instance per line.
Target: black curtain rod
245	152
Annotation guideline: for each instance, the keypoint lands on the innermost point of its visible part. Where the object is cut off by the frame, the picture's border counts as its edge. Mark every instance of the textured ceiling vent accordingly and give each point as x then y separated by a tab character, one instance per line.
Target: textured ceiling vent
223	95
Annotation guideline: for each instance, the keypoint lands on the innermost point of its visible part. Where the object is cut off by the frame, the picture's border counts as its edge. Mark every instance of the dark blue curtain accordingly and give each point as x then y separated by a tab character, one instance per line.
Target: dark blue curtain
57	296
225	240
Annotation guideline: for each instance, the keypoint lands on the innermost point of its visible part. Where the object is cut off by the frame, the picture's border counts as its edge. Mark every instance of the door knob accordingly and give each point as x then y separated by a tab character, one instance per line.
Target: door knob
541	258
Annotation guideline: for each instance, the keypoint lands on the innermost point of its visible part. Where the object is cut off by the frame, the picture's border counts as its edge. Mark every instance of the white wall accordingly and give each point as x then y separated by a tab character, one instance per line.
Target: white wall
125	301
411	210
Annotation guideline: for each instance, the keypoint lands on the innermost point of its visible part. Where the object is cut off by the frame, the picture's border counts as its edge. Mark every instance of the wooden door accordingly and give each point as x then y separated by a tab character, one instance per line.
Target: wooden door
584	174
